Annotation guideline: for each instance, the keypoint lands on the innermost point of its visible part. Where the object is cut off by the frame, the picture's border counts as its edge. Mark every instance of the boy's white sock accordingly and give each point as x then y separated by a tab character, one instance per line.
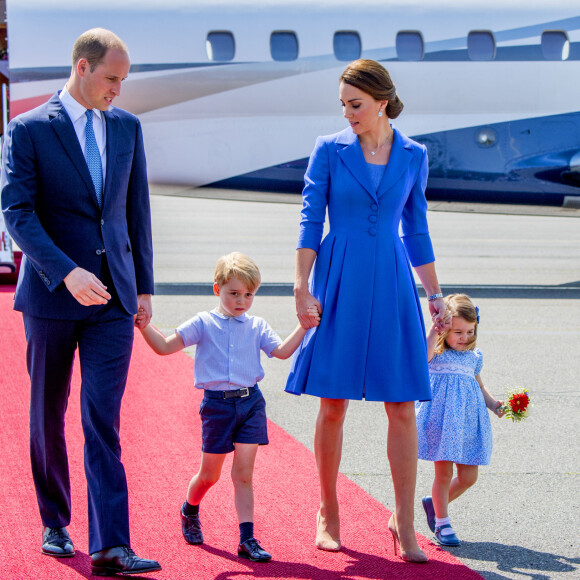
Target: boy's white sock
441	522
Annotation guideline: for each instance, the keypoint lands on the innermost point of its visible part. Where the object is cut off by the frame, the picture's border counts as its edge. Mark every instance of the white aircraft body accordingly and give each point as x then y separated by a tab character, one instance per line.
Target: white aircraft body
233	93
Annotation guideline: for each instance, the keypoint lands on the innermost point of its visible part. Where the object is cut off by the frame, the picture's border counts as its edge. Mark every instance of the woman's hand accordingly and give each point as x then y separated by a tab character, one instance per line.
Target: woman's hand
499	410
308	309
440	316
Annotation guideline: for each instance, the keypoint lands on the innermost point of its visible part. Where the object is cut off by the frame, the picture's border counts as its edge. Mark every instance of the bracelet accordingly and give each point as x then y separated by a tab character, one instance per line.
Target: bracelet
432	297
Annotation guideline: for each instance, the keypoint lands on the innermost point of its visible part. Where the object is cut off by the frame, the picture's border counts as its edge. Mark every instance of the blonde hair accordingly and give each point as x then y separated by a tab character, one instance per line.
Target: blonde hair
94	45
240	266
459	306
373	78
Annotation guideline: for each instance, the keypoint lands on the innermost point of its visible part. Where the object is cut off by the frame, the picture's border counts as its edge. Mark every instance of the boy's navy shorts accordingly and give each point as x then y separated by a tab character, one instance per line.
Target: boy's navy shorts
235	419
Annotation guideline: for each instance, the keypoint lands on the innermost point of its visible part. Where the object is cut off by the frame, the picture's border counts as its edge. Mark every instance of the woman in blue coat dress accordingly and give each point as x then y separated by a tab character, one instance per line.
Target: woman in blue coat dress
371	339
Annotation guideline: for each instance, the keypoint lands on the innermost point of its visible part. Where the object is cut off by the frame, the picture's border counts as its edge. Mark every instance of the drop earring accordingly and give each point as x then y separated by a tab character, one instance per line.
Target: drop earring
380	113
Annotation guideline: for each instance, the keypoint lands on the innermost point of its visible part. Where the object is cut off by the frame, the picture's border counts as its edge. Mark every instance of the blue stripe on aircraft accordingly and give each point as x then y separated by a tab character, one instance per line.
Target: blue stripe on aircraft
524	161
524	53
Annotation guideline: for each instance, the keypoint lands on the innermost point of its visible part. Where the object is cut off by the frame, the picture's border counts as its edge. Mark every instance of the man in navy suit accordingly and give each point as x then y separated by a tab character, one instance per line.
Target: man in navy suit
76	201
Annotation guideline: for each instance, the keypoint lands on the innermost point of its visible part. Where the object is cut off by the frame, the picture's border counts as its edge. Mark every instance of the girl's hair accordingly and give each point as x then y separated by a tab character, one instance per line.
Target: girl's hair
461	306
373	78
240	266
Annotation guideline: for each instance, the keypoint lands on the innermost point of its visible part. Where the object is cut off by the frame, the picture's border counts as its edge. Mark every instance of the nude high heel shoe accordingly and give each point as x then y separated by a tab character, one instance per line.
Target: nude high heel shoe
324	541
415	556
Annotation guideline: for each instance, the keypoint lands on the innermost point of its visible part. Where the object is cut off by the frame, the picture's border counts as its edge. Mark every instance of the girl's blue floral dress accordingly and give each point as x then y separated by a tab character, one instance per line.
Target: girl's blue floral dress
454	425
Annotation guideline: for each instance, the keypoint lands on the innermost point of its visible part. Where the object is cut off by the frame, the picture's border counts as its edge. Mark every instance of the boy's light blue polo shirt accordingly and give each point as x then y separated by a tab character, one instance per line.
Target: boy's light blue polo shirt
227	355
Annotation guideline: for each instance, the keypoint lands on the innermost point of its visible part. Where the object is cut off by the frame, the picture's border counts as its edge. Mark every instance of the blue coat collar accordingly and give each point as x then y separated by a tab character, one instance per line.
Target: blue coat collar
352	155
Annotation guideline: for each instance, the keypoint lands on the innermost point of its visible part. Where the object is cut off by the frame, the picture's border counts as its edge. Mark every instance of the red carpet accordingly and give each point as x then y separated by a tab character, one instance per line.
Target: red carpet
160	432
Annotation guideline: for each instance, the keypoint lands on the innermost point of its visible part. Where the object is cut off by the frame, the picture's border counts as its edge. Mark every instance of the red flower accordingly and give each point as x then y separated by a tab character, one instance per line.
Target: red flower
519	402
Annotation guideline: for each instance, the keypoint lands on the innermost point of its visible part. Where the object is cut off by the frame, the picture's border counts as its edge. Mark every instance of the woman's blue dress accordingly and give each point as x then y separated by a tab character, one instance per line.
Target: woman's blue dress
371	339
454	425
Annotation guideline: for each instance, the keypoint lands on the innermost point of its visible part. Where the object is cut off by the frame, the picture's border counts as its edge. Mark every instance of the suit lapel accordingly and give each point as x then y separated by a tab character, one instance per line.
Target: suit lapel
399	160
354	159
62	125
112	126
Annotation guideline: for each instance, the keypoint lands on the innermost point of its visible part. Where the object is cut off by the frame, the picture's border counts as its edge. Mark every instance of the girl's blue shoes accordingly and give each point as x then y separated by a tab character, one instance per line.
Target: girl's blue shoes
443	539
430	511
449	539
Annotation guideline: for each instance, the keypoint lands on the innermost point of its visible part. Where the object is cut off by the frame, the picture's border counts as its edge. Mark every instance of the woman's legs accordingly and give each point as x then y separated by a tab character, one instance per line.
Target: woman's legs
328	450
242	478
208	474
402	454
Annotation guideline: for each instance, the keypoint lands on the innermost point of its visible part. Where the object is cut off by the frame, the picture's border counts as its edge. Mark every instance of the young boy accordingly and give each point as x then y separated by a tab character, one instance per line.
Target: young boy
233	410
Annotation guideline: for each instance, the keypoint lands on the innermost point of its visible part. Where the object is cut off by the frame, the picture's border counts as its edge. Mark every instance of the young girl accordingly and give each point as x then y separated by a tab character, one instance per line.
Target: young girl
454	426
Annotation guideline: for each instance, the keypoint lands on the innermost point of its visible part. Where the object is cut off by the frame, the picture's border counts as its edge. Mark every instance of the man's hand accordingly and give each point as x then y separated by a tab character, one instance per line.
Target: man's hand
145	311
86	288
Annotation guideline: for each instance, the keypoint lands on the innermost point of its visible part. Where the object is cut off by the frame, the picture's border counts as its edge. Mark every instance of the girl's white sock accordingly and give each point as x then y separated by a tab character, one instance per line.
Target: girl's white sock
441	522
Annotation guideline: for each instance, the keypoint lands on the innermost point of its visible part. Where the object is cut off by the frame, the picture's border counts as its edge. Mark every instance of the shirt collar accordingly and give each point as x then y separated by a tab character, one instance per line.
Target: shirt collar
74	109
241	318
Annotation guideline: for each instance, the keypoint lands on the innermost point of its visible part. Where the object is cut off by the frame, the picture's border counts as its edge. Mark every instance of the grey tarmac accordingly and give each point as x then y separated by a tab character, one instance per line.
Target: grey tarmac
522	267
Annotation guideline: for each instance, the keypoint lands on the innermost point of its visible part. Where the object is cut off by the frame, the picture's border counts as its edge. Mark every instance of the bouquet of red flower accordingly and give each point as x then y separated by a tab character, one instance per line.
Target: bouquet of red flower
518	405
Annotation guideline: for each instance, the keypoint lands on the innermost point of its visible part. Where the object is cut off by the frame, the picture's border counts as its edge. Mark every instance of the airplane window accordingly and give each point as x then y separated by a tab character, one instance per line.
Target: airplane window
410	45
481	45
347	45
220	45
555	45
284	45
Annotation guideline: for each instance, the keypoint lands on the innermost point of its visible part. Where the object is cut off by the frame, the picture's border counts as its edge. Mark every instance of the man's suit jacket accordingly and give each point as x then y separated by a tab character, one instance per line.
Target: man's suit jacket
51	210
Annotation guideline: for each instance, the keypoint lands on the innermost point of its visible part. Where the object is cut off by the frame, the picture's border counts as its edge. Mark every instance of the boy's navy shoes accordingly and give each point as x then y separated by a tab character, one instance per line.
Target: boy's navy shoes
251	550
430	511
191	528
57	543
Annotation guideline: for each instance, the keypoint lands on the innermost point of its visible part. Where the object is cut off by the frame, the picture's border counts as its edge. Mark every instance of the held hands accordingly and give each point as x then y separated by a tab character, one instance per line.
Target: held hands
86	288
314	315
145	311
141	319
440	316
308	310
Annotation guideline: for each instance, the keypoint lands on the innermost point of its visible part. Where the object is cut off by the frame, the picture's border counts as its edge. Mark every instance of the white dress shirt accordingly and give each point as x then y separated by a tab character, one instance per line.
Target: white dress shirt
76	112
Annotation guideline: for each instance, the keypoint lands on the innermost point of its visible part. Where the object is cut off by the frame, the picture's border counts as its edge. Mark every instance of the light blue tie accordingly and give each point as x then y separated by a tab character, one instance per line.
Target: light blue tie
94	158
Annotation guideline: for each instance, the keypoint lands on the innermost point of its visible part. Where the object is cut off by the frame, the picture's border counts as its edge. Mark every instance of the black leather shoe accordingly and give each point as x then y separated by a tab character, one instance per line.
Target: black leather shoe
121	560
57	543
251	550
191	528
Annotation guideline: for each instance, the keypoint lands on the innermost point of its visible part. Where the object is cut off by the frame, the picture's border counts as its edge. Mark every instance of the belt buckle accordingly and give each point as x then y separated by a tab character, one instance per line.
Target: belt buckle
247	393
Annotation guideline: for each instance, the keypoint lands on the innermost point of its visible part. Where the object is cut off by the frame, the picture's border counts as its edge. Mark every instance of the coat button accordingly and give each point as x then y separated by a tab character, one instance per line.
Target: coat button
102	222
373	219
374	207
373	231
98	252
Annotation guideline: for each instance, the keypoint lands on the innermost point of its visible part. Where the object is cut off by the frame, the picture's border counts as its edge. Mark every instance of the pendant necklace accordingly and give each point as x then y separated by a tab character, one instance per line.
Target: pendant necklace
373	153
